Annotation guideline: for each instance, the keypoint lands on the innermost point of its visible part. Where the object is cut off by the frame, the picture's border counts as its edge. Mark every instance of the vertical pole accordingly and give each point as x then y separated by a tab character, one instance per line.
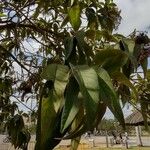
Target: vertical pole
138	135
107	145
126	140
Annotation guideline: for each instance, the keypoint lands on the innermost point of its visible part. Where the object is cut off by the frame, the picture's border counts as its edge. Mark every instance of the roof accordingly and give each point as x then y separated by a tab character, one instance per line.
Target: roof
135	119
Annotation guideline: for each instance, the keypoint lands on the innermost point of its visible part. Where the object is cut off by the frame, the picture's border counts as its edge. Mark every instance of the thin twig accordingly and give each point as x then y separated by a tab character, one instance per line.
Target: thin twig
22	103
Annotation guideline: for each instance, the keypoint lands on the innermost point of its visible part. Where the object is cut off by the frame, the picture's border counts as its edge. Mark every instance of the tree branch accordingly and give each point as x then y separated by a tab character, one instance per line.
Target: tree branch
15	59
22	103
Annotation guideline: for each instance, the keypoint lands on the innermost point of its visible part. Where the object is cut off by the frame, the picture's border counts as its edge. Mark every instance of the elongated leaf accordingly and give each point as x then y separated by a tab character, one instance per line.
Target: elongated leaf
53	70
75	143
144	65
77	133
70	50
120	77
59	75
48	116
74	16
108	95
52	100
78	126
100	113
88	82
111	59
72	104
144	108
129	45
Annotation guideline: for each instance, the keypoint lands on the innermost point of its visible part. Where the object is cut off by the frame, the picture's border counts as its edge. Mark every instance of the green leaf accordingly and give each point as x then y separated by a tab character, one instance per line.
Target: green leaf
111	59
144	65
17	132
88	82
53	70
144	109
72	104
137	50
148	74
74	16
120	77
59	75
80	131
75	143
108	95
100	113
129	45
48	118
70	50
78	126
52	101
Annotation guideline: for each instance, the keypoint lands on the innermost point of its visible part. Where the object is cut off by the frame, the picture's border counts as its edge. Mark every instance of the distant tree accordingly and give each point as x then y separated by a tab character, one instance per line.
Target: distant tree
111	125
107	125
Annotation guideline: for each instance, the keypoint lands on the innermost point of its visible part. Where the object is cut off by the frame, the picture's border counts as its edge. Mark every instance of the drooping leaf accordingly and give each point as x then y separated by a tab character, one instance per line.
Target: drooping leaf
128	45
48	116
72	104
70	44
81	130
144	108
100	113
18	134
53	70
51	103
74	16
78	126
120	77
111	59
75	143
144	65
137	50
59	75
88	82
108	95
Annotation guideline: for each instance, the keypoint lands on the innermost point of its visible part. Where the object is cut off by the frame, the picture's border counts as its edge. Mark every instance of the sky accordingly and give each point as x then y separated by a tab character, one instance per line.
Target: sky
135	15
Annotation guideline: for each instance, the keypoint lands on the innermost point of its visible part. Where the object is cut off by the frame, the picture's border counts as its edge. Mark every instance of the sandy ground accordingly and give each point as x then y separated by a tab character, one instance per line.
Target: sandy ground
97	141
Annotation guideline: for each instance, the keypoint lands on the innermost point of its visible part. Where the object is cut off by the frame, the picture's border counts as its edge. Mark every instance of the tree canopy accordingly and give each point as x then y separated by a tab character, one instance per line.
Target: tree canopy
70	59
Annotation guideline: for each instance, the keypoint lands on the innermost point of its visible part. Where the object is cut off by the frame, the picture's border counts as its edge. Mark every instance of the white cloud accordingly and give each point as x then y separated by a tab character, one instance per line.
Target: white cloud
135	14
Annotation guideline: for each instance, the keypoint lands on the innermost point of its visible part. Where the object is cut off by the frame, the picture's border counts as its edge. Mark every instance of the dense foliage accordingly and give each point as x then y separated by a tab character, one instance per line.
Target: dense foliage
67	57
